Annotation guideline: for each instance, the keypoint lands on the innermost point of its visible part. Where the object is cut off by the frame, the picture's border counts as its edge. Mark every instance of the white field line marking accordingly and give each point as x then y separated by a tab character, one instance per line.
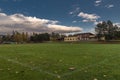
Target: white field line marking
92	65
28	66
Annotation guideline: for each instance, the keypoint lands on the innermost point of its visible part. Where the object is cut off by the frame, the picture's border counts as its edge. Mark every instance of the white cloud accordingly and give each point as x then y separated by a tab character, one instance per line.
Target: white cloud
75	11
88	17
109	6
118	24
85	20
3	14
21	23
61	28
98	2
71	13
74	21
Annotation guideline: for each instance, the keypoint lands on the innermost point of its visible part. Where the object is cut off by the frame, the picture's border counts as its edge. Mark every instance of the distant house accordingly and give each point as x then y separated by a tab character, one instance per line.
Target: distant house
86	36
102	38
72	38
81	37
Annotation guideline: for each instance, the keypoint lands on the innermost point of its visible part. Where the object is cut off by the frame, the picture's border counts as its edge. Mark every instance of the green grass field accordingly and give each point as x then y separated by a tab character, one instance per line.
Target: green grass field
60	61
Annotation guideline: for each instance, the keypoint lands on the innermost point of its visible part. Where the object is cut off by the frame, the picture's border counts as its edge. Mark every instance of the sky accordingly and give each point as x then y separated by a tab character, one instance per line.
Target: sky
62	16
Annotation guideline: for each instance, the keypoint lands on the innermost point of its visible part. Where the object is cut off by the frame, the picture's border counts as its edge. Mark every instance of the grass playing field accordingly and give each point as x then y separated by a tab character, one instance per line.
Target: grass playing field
60	61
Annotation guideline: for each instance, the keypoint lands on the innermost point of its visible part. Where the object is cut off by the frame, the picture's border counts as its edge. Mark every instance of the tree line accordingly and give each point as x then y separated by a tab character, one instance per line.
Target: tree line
107	30
15	37
24	37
